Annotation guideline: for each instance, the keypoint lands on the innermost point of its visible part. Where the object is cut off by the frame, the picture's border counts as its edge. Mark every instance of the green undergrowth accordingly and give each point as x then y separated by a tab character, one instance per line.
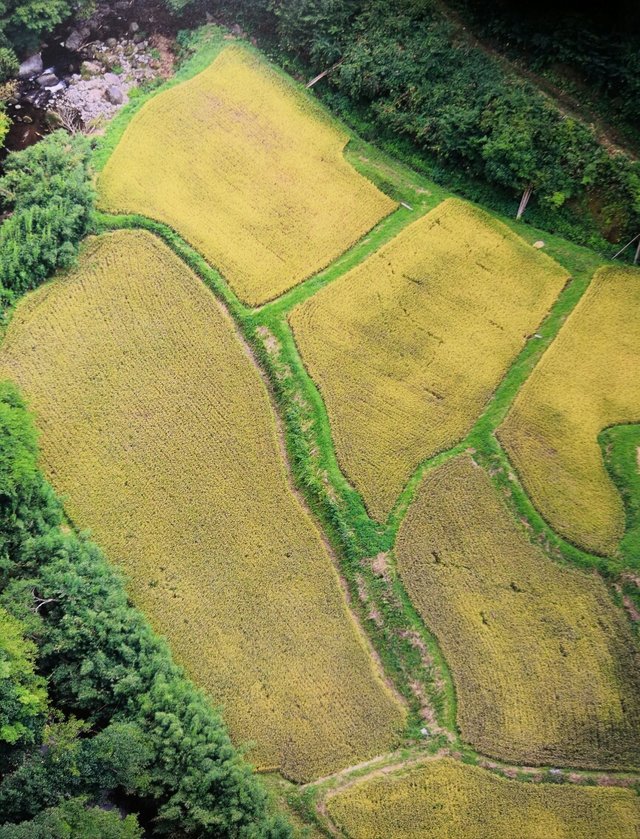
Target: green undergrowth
621	448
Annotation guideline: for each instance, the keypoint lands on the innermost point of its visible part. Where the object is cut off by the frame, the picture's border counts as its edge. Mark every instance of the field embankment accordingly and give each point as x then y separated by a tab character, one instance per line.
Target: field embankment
443	799
587	381
545	666
159	432
408	347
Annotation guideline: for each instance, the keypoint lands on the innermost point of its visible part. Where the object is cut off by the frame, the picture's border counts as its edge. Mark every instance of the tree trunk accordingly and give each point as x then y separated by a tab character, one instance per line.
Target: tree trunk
526	195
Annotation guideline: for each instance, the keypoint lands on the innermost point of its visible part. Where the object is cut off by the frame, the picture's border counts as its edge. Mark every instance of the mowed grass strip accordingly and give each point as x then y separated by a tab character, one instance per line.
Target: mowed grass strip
409	346
587	380
545	666
443	799
249	170
158	430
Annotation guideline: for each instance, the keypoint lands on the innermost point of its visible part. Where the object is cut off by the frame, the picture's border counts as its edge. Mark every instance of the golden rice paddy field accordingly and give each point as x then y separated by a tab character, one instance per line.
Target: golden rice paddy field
158	430
545	666
408	347
443	799
247	169
586	381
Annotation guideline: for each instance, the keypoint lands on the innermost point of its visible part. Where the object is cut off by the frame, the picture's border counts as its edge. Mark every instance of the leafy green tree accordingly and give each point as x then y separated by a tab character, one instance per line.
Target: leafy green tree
23	696
47	189
74	820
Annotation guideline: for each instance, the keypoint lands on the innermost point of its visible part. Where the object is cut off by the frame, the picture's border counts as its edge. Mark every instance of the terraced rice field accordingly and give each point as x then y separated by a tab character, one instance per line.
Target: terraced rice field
408	347
545	667
158	429
443	799
249	170
587	380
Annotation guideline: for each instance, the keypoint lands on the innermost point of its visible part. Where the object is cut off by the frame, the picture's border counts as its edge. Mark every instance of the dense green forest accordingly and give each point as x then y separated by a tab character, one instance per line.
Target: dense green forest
429	81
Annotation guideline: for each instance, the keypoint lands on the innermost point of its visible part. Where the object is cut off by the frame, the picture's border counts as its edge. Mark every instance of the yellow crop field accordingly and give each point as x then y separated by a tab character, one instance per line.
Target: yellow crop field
248	169
408	347
586	381
158	430
444	799
545	666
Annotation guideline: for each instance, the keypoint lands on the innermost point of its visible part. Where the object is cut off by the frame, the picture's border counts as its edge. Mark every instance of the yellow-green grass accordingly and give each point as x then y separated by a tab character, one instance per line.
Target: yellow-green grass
544	664
408	347
444	799
158	430
249	170
587	380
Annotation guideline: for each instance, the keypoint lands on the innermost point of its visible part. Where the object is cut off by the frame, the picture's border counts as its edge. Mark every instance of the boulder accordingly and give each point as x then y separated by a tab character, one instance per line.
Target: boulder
112	78
133	26
48	80
89	68
33	66
76	39
114	94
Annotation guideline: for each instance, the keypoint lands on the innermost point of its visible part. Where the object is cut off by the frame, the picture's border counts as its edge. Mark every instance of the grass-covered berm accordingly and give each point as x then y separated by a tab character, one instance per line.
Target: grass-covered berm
157	429
545	665
444	799
249	170
588	380
408	347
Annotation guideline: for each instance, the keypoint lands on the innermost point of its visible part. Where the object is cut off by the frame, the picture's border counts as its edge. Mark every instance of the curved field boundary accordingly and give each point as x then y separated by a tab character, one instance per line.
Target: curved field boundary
158	430
441	798
409	346
545	665
586	381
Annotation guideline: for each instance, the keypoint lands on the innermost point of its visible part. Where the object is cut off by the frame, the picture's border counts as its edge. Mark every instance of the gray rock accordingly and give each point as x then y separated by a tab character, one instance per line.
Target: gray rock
48	80
112	78
90	68
33	66
133	26
111	43
76	39
114	94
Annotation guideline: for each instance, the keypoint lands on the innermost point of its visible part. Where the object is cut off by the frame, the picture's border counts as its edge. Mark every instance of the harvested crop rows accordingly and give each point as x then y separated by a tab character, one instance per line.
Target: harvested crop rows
545	666
249	170
408	347
444	799
157	428
587	380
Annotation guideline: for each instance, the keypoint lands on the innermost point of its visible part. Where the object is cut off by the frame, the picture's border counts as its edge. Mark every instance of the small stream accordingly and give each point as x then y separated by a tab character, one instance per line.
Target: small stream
36	95
28	110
